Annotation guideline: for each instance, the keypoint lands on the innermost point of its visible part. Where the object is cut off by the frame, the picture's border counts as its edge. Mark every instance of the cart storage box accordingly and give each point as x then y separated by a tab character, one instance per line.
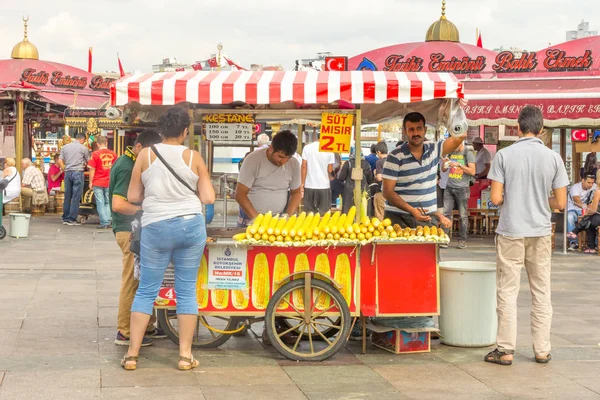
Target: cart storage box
402	340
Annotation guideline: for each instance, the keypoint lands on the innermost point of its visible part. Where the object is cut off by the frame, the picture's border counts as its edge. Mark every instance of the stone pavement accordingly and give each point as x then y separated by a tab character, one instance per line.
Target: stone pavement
59	289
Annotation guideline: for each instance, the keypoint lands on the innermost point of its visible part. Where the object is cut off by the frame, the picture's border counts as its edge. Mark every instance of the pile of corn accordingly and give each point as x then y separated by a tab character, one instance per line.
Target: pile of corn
316	230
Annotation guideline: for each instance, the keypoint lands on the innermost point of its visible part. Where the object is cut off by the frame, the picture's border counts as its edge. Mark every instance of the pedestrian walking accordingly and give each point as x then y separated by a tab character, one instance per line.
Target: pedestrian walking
100	164
73	158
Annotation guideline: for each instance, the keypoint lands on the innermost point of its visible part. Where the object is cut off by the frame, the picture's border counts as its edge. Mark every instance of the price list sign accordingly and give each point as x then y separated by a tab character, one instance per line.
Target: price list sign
228	132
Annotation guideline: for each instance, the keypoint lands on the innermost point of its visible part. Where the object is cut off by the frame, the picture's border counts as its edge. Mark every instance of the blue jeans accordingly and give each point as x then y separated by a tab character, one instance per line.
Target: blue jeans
180	240
460	198
572	216
73	191
102	204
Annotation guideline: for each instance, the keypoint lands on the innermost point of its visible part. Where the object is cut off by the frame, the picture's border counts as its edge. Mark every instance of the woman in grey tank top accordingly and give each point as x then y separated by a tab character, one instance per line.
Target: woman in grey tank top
167	236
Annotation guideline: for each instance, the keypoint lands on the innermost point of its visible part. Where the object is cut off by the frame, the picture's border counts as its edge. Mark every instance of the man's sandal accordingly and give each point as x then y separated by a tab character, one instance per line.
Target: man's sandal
192	363
129	367
495	357
543	360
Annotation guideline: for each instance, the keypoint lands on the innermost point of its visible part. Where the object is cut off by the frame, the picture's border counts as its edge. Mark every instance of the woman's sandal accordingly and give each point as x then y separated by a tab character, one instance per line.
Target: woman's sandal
543	360
192	363
129	367
590	251
495	357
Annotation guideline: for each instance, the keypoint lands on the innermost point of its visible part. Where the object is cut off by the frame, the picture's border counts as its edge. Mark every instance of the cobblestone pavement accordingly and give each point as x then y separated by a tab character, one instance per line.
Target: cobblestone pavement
59	290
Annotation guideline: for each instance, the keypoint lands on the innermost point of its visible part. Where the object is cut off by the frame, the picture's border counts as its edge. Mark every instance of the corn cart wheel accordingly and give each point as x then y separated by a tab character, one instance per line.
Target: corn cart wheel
203	337
325	330
2	232
309	321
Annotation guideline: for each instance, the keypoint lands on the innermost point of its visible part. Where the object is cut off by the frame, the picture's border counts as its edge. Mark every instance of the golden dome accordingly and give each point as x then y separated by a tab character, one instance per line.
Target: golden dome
25	49
442	30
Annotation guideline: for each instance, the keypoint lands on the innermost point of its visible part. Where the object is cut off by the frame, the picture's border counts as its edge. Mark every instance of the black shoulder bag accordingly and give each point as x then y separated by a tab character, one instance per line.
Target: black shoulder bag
136	230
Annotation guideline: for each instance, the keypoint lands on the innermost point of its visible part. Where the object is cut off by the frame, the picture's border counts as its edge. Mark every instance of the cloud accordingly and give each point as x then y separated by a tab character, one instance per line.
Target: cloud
270	31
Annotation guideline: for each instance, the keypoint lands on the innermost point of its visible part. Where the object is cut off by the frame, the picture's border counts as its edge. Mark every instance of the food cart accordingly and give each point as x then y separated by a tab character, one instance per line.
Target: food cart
340	279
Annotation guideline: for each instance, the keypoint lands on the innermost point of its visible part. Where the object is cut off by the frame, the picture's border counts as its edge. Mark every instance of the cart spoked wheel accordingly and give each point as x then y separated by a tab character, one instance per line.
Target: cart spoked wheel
309	321
325	330
2	232
203	337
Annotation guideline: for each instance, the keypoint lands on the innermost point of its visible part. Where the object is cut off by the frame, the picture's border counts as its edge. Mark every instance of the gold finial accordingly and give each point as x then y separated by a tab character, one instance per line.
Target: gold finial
443	9
25	19
219	47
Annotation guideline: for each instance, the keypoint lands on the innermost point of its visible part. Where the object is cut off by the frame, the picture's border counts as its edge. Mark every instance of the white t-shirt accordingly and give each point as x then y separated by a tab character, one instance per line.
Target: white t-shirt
483	157
13	190
317	176
584	195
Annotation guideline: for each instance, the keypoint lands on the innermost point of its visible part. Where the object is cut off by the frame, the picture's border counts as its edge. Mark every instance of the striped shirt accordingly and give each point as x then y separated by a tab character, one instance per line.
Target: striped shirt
33	178
415	180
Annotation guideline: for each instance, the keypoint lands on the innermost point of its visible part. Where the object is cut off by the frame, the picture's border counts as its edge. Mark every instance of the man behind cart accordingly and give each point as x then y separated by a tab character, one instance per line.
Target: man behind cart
263	184
410	176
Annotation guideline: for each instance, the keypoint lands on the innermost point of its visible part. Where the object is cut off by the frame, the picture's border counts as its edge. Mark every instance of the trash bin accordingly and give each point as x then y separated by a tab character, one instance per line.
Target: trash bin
468	303
19	225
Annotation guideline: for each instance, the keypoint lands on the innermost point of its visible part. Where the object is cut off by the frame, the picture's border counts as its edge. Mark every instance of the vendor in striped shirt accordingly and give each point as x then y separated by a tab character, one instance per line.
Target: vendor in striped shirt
409	176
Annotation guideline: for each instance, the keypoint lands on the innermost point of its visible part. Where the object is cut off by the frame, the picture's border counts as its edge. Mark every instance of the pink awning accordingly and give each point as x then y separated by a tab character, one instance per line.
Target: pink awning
565	102
76	100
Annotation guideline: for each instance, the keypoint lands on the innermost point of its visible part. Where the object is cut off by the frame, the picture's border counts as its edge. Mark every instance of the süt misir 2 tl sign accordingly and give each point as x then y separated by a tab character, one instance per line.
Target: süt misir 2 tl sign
60	80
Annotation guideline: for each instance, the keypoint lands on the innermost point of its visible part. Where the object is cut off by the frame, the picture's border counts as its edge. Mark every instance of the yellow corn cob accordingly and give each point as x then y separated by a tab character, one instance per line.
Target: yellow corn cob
219	298
342	222
280	225
306	224
434	230
315	222
273	224
239	236
256	224
356	228
249	235
201	290
281	269
334	219
288	226
324	221
427	231
301	264
343	276
322	265
239	298
260	282
351	215
298	224
264	225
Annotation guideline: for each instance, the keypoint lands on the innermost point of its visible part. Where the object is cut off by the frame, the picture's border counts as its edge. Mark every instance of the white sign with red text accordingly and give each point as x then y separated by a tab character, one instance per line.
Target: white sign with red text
227	267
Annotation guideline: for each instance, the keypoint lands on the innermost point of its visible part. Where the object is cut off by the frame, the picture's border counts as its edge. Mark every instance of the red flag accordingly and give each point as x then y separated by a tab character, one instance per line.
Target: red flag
179	69
579	135
336	63
212	62
90	60
479	42
234	64
197	67
121	71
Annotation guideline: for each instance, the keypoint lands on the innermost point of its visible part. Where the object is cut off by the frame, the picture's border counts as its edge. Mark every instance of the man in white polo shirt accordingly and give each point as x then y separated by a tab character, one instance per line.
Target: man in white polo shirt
317	168
410	176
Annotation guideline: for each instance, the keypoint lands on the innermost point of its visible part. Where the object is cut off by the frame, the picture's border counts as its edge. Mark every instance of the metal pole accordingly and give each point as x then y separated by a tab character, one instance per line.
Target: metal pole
19	132
191	131
357	171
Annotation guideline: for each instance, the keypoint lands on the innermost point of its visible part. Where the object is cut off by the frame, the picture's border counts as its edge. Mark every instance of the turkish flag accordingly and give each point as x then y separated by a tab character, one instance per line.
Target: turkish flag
579	135
197	67
336	63
212	62
179	69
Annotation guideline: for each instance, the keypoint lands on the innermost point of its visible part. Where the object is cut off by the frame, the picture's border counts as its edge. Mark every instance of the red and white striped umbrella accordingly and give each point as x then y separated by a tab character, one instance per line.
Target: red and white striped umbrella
274	87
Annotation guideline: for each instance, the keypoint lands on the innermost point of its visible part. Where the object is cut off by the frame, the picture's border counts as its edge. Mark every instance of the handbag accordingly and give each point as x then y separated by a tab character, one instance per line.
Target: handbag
585	223
136	226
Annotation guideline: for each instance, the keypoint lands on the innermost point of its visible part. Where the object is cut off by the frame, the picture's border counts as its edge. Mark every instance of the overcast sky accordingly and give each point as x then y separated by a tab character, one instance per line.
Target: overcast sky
270	32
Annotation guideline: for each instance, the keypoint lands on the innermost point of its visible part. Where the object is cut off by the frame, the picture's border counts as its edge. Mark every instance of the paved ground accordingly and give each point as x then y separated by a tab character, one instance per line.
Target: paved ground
59	288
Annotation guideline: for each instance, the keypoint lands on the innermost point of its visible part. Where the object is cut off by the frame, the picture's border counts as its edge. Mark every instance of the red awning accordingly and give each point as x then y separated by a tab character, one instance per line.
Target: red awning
76	100
565	102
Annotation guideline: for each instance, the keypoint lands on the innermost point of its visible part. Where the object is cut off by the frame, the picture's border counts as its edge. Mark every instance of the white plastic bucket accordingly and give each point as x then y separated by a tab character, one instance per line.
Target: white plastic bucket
19	225
468	303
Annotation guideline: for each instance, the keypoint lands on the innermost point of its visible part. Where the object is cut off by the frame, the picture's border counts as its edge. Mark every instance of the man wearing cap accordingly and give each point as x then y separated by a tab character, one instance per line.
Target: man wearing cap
483	160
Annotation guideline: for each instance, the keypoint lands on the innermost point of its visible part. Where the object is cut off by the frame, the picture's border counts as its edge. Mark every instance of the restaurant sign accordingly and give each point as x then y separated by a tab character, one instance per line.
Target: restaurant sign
553	60
60	80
